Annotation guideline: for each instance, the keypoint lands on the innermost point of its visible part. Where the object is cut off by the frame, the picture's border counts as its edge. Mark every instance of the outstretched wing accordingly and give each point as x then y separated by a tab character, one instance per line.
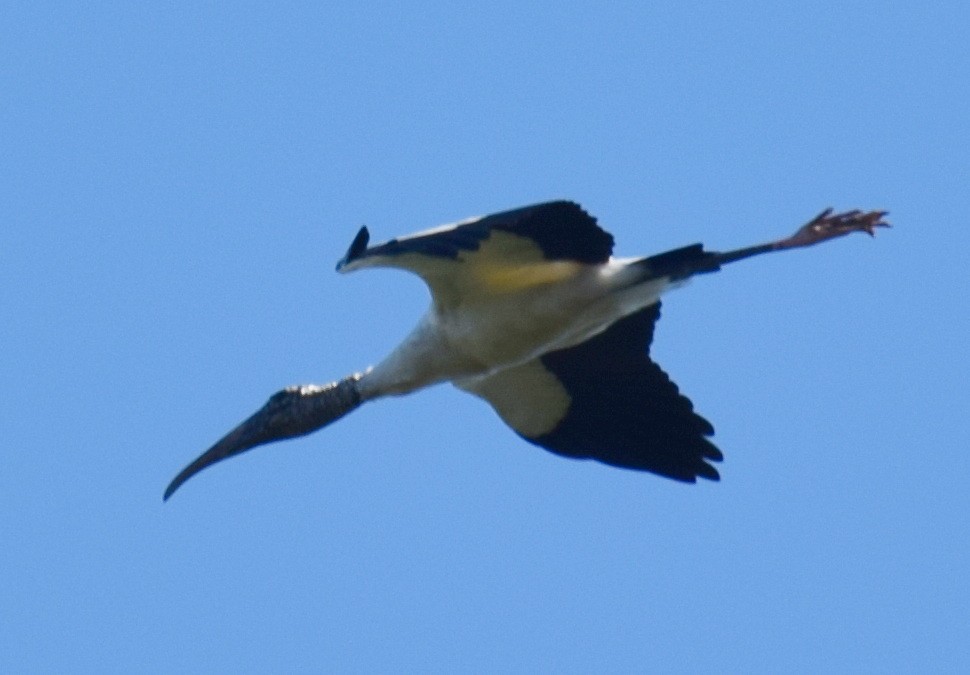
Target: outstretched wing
501	252
606	400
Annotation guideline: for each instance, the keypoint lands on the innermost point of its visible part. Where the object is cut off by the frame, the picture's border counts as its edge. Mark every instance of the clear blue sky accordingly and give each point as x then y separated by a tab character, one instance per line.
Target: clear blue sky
178	181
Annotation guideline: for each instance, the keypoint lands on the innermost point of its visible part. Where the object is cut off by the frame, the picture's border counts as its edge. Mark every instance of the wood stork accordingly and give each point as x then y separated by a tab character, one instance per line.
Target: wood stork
531	312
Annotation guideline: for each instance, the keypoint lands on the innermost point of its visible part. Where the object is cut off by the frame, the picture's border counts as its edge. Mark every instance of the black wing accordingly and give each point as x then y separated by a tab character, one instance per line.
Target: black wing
558	230
606	400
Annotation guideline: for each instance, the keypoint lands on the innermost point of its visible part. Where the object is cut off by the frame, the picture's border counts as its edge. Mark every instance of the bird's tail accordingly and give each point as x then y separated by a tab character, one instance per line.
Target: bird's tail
681	263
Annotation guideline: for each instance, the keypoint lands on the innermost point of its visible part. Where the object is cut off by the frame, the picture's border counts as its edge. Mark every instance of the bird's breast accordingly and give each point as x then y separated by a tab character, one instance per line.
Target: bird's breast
504	329
479	333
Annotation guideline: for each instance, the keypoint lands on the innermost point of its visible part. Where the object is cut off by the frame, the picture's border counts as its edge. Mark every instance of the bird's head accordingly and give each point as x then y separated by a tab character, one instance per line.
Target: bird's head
288	413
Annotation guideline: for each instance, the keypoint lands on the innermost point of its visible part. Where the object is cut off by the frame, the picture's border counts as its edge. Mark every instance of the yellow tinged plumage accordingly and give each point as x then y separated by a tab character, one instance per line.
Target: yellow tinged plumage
506	263
548	400
511	278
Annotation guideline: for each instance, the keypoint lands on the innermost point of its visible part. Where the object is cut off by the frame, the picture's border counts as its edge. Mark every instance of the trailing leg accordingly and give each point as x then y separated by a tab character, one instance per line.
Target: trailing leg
822	227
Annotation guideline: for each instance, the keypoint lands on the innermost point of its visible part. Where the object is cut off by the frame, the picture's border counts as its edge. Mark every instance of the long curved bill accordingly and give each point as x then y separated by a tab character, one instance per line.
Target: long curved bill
244	437
294	411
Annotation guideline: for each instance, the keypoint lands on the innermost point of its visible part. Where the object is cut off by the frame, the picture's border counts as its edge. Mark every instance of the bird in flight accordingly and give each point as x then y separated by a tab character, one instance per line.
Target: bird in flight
532	313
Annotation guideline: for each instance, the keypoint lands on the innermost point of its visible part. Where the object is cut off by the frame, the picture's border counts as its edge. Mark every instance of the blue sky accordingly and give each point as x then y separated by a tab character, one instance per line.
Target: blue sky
178	181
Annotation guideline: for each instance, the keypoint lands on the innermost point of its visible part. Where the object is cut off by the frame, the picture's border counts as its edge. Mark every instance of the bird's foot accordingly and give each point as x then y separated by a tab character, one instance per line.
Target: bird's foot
827	225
